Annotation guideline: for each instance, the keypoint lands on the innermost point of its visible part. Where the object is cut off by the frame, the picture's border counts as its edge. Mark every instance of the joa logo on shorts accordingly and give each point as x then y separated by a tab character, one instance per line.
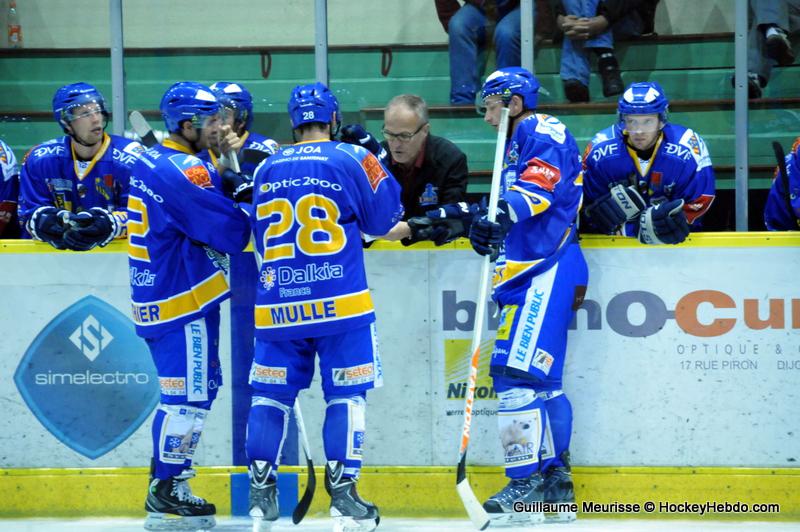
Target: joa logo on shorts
88	378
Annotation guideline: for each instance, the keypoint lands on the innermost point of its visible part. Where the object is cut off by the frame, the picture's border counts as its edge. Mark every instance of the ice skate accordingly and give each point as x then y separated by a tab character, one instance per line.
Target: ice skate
559	490
263	507
350	512
519	503
170	505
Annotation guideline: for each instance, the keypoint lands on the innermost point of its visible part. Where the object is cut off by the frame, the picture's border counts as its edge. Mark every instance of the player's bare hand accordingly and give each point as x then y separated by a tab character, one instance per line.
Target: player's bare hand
229	140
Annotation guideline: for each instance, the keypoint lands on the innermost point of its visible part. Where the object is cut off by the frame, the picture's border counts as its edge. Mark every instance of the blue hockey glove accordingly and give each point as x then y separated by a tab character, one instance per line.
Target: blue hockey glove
486	237
423	228
95	227
356	134
238	187
47	224
664	223
620	205
457	218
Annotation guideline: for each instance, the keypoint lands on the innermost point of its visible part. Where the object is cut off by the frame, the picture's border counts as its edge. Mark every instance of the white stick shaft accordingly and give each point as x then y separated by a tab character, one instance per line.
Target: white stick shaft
301	427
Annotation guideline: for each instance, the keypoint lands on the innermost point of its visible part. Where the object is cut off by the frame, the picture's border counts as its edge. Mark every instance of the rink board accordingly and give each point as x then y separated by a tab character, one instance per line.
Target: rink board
682	357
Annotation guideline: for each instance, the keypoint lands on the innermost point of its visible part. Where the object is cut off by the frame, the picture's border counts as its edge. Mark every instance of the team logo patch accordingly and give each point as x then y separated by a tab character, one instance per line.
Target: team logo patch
429	196
88	378
542	360
193	168
697	207
541	173
268	374
353	375
374	171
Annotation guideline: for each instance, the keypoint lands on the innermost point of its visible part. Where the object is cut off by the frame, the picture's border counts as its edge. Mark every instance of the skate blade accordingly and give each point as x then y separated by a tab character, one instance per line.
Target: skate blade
159	521
260	525
515	519
348	524
560	517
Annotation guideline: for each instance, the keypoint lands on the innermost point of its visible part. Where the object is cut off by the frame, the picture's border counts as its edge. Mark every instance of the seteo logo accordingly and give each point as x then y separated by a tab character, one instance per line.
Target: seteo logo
268	374
541	173
72	366
353	375
172	385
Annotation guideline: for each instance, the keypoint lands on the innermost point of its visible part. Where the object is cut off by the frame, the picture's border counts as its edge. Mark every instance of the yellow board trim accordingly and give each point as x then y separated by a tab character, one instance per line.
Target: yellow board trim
410	491
701	240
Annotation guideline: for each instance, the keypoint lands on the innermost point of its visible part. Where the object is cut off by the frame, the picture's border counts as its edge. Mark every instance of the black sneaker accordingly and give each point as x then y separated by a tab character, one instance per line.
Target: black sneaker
575	91
263	499
171	505
608	67
520	502
349	510
779	48
754	85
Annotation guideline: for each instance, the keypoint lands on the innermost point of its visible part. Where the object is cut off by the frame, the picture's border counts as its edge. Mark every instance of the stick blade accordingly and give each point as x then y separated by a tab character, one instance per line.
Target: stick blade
142	128
475	511
308	495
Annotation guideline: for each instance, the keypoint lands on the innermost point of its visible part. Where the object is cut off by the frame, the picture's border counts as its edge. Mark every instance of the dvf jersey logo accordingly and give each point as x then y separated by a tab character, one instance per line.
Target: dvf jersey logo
88	378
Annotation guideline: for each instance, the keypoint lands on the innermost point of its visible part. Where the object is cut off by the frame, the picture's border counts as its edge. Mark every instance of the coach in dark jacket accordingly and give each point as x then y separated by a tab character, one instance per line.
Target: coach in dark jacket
431	170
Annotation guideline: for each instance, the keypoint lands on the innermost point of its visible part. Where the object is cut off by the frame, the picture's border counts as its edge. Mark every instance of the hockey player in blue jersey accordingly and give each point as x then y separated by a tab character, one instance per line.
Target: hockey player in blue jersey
73	189
782	211
539	281
236	133
312	202
646	177
179	223
9	192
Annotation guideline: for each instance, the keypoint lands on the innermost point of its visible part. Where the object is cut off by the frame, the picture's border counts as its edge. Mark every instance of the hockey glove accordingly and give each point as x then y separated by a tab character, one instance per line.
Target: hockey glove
238	187
620	205
46	224
664	223
457	217
486	237
356	134
95	227
423	228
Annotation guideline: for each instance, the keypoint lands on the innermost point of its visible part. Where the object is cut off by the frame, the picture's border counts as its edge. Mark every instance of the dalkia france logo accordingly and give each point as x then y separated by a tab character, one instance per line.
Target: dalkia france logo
88	378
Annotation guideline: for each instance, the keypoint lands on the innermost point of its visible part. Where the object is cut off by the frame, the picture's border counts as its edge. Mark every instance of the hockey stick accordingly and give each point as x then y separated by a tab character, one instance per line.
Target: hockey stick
474	508
143	129
781	158
305	501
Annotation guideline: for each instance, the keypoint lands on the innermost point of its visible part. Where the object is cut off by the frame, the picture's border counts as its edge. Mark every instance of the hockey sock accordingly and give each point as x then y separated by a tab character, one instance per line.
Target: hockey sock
559	416
173	429
266	428
343	431
520	418
200	416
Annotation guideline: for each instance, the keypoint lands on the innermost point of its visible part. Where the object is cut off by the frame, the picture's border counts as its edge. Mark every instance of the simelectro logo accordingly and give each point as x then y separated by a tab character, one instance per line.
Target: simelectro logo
88	378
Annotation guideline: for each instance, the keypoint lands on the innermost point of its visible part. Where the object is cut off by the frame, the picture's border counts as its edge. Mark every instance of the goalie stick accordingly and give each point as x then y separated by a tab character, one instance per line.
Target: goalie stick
787	196
478	516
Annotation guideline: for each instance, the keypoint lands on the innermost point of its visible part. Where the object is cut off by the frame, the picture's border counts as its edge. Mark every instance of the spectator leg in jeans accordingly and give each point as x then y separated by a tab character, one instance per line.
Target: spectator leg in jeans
507	39
607	65
574	69
467	31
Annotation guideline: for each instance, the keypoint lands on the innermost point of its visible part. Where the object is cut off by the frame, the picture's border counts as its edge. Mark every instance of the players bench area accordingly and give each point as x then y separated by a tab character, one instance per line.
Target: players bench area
683	372
693	69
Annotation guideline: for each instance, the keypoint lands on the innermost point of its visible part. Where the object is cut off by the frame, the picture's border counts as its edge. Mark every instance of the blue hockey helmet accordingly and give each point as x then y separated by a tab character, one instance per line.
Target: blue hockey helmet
75	95
235	96
187	100
510	81
643	98
313	103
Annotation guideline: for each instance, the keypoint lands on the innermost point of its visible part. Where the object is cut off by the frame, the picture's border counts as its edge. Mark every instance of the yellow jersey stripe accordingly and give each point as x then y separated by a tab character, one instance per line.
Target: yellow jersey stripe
313	311
181	305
